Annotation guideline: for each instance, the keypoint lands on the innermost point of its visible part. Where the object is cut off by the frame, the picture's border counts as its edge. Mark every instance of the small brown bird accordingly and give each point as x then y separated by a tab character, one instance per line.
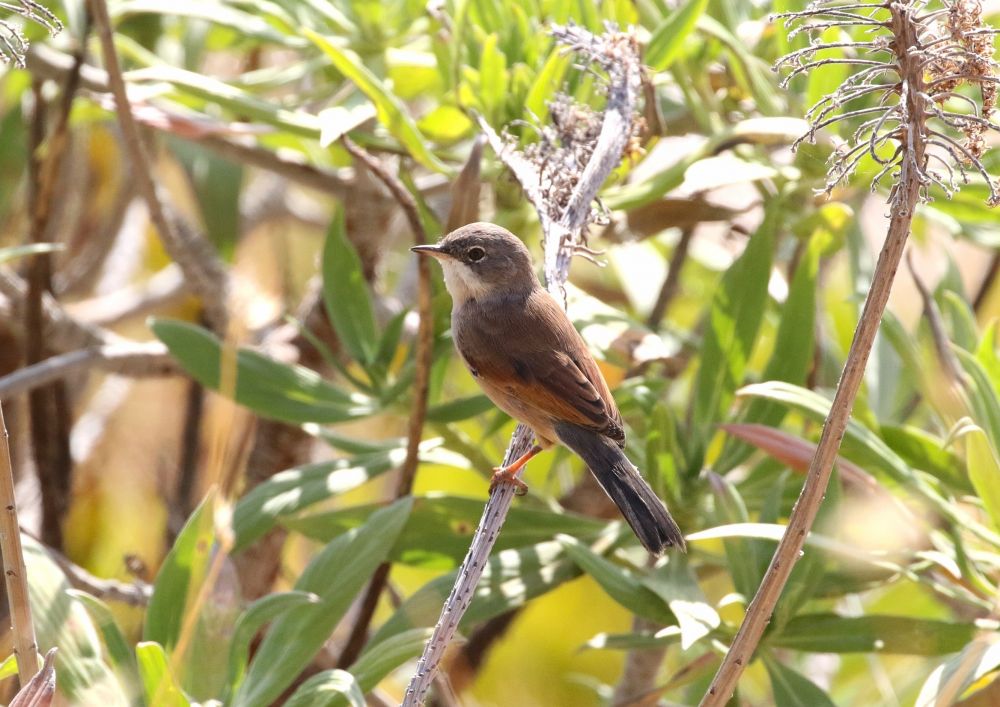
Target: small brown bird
533	364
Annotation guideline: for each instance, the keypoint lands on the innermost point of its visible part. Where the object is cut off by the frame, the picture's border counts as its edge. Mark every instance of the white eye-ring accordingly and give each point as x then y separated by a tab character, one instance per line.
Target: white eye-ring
475	254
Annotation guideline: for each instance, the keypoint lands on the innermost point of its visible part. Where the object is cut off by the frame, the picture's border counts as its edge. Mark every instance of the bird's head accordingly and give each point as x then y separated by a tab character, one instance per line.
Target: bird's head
481	259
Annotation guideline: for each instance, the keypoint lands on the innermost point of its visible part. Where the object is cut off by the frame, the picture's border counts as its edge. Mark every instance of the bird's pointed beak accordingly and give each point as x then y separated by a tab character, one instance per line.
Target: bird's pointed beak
431	250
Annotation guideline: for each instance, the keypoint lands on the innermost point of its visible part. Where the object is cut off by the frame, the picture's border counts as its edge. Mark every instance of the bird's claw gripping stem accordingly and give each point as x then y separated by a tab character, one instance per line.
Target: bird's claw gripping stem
508	474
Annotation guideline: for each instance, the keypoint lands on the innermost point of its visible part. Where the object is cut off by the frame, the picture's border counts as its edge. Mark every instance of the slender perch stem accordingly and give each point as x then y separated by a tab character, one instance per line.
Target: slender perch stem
25	647
912	137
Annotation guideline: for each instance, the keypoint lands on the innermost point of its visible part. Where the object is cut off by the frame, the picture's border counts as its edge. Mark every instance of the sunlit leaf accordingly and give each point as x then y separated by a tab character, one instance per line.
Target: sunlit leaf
509	580
830	633
391	111
668	38
345	293
336	575
440	528
791	688
158	682
733	321
321	689
272	389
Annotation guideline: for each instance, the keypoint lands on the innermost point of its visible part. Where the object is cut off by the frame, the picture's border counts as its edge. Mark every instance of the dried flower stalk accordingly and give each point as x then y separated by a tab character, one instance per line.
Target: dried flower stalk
916	121
13	43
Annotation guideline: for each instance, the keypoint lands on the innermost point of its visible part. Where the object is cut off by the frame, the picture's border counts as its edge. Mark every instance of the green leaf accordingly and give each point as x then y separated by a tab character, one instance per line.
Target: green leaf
119	650
734	319
322	688
620	583
826	79
492	77
951	679
510	579
266	609
293	490
275	390
8	668
547	82
391	111
793	350
440	528
744	555
345	294
922	450
62	621
668	38
223	14
158	682
676	584
904	635
233	98
180	577
461	409
335	575
984	470
791	688
378	661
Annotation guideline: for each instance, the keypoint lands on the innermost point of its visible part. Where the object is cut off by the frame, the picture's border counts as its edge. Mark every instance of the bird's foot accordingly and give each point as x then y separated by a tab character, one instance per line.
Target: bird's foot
507	475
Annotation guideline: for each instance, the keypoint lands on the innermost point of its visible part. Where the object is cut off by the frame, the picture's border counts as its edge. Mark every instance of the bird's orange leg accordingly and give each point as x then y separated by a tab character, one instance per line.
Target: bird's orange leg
508	474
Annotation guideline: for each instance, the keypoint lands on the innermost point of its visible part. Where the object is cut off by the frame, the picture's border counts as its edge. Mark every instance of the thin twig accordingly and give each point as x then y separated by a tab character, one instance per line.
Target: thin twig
641	665
135	360
903	200
25	646
48	407
165	288
617	53
196	257
421	385
135	593
671	282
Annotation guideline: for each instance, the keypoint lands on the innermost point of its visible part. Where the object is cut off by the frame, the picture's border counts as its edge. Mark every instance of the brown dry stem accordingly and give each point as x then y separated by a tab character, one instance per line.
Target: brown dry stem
25	646
916	88
195	256
421	385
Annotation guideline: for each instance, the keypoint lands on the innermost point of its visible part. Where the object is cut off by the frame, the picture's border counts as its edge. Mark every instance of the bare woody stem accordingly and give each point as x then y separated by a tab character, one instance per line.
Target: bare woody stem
25	647
903	200
195	256
421	385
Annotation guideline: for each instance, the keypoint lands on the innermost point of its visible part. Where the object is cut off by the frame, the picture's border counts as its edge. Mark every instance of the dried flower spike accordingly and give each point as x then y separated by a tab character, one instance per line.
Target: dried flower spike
916	68
13	44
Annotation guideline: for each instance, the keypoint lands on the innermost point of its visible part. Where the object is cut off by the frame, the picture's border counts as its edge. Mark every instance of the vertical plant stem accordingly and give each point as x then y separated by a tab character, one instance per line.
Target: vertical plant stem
421	386
201	266
673	279
25	647
903	201
47	405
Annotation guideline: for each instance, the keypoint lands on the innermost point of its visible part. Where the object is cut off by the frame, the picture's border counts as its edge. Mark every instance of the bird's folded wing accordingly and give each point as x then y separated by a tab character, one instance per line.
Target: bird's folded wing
558	386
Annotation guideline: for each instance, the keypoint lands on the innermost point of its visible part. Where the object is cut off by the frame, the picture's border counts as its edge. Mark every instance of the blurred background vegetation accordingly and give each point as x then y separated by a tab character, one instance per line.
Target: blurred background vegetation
240	502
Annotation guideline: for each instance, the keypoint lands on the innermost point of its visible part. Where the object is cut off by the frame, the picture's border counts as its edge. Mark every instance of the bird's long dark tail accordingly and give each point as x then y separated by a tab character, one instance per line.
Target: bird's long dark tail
641	507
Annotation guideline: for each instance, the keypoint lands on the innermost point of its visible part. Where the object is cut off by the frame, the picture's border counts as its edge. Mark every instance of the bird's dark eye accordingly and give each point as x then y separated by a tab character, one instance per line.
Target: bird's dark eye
475	253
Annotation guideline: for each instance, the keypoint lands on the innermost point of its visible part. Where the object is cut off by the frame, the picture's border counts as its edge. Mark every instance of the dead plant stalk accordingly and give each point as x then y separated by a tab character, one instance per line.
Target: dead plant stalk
15	574
921	75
